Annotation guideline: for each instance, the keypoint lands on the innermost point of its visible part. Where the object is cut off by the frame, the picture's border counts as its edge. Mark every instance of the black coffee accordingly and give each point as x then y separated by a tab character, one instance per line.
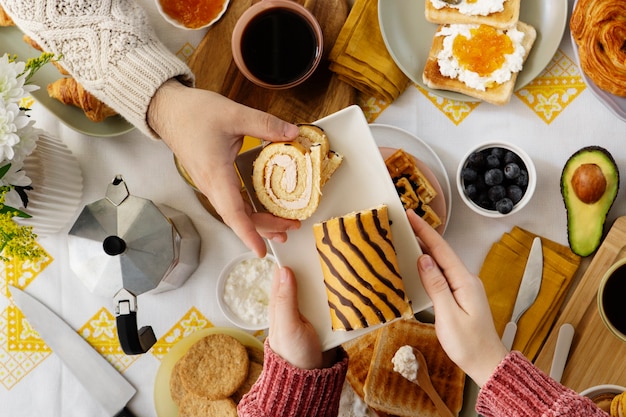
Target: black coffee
613	299
278	46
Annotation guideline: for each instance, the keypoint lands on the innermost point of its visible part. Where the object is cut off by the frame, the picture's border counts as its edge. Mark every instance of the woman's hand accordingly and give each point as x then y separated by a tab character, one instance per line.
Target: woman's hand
463	319
205	131
291	335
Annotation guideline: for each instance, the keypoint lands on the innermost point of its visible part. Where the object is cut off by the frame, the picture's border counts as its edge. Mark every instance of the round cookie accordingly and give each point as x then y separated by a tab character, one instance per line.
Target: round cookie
214	367
177	390
253	374
194	406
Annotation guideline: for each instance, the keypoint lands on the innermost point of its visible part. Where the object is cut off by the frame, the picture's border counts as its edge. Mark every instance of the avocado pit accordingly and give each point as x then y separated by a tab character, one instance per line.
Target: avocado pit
589	183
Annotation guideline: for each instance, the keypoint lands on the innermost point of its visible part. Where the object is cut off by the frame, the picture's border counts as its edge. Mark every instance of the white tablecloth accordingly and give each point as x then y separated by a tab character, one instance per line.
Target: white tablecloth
37	384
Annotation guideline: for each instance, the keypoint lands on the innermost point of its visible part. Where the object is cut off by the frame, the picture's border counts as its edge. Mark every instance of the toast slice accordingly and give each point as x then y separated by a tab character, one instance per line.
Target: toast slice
499	94
504	19
390	392
360	352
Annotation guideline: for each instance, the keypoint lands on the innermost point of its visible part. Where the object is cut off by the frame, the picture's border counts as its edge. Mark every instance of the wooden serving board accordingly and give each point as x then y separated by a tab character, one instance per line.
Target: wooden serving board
596	356
322	94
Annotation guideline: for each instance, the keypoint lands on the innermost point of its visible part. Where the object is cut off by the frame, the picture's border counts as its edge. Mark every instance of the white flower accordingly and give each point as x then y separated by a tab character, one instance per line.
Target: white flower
15	176
9	118
12	120
12	87
28	141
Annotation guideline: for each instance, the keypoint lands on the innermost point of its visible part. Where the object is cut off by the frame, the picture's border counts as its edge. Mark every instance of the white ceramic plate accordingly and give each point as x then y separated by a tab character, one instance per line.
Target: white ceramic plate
163	403
409	36
360	183
11	42
394	137
180	25
616	104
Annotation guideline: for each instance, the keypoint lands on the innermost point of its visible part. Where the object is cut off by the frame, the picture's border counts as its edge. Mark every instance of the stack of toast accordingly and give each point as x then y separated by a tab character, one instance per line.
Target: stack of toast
371	374
503	21
415	190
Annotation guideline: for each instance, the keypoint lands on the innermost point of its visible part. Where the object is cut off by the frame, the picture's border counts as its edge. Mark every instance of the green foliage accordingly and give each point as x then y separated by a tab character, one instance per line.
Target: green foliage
16	241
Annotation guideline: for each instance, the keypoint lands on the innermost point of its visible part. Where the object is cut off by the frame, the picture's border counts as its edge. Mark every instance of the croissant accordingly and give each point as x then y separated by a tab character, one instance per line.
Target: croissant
599	29
5	19
69	91
30	41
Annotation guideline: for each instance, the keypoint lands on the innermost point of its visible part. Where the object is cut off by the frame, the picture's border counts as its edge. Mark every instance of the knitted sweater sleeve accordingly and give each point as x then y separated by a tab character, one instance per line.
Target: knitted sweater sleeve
283	390
107	45
518	388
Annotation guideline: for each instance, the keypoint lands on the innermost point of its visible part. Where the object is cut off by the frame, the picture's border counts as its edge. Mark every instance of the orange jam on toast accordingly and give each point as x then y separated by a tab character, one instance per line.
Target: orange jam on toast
484	51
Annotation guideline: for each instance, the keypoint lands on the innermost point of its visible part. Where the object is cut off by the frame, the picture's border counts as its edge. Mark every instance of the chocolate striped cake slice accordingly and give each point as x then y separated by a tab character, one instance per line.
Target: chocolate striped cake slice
360	268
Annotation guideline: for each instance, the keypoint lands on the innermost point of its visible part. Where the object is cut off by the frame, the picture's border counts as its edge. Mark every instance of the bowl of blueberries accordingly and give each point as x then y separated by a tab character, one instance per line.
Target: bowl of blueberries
496	179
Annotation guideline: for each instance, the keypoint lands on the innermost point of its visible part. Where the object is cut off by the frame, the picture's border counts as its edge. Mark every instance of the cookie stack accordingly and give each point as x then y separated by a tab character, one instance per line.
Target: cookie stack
479	48
213	376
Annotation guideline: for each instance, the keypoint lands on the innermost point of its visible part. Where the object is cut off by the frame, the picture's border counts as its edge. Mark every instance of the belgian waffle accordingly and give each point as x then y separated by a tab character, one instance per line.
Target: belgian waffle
414	189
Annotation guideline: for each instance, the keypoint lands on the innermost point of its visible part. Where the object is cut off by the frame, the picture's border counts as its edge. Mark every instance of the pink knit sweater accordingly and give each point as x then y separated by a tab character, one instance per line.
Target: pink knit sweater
516	389
286	391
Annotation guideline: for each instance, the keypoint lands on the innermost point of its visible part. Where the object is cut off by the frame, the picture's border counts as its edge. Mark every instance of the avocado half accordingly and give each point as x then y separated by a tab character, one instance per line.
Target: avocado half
589	185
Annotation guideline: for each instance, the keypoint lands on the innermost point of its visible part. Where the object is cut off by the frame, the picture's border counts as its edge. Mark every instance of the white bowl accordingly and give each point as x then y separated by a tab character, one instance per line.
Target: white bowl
602	394
252	291
530	189
174	22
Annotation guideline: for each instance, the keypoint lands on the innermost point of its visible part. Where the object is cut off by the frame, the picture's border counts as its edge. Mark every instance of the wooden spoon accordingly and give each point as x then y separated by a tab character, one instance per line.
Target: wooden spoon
423	381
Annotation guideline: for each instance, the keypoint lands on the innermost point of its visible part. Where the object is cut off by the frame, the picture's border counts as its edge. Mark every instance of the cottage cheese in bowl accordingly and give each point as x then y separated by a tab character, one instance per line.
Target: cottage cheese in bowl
244	290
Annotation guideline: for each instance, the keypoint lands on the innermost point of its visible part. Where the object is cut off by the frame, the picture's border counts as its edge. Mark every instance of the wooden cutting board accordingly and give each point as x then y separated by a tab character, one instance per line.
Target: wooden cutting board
596	356
322	94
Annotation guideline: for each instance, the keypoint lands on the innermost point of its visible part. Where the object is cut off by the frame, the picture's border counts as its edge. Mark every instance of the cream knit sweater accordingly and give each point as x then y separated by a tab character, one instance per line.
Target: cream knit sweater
107	45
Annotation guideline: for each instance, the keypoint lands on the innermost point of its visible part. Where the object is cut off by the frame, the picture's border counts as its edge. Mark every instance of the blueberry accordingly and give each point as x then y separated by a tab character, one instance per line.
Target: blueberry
504	206
498	152
511	170
471	191
469	174
483	201
515	193
493	161
496	193
510	157
522	179
476	160
494	176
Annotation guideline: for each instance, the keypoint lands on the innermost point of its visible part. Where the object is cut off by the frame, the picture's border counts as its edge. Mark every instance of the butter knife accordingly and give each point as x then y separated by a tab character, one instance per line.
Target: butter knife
528	291
561	351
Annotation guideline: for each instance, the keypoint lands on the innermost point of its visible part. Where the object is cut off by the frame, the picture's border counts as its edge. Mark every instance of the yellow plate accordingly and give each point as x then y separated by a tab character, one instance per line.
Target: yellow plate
163	403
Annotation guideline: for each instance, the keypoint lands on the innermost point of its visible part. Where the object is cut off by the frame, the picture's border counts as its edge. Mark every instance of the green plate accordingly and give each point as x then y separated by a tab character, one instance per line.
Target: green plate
11	42
409	36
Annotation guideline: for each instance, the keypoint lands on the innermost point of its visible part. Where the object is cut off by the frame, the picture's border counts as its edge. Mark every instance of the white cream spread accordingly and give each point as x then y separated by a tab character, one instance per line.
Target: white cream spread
289	180
450	67
351	405
247	290
404	363
472	8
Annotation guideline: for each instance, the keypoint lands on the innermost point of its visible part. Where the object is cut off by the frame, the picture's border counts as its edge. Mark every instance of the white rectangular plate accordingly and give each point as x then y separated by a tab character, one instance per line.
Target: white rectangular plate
360	183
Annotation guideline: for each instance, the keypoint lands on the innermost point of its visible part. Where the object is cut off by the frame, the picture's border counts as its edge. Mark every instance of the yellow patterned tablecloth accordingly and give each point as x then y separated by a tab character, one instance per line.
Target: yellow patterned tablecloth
550	118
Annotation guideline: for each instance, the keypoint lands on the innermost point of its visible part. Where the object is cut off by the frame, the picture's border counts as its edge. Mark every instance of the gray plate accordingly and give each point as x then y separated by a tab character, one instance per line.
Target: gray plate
409	36
11	42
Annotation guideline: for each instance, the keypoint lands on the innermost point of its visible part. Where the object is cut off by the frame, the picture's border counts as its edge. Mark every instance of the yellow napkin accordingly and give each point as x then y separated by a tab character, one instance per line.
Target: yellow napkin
360	57
501	274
